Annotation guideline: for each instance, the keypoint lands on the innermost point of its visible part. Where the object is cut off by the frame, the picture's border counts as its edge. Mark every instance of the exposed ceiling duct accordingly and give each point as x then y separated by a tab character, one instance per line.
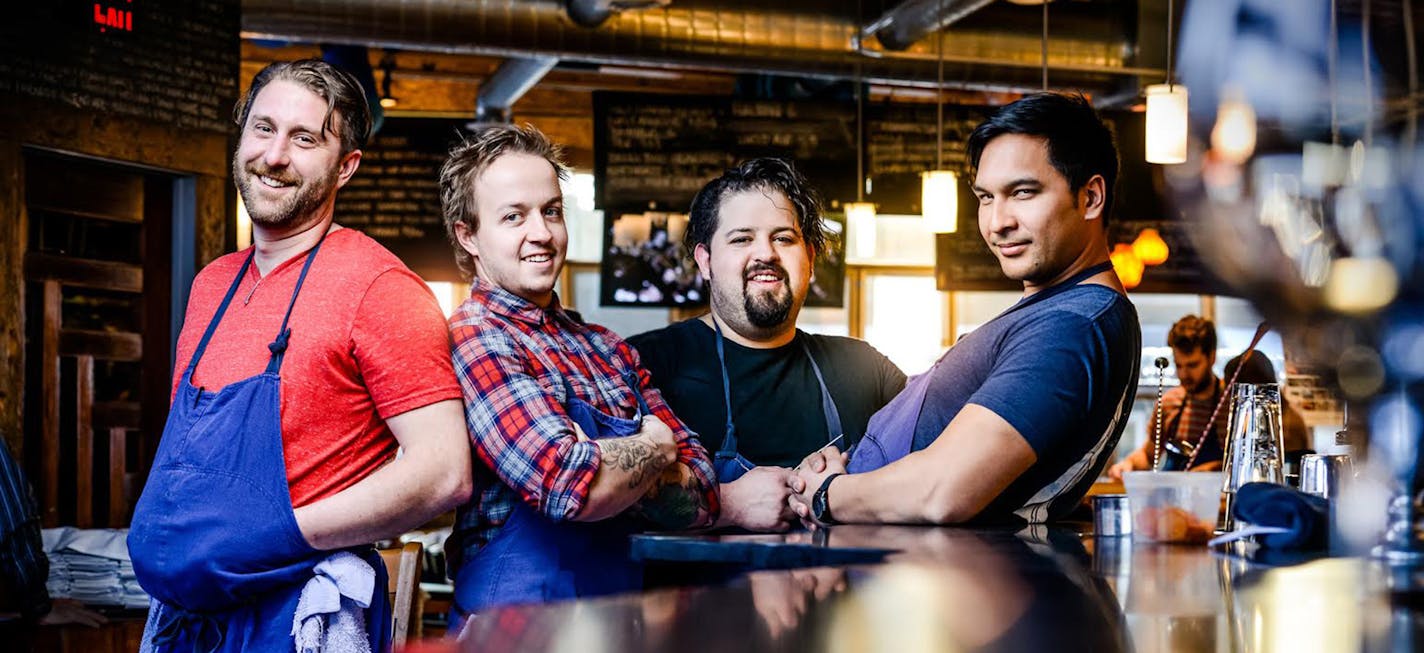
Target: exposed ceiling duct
995	48
913	20
510	82
592	13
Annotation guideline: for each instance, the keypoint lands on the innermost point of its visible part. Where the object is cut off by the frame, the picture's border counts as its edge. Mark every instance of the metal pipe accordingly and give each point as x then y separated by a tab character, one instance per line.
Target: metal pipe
510	82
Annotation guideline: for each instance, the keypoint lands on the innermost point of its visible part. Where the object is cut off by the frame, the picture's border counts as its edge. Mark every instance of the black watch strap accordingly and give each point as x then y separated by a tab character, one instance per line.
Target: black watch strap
821	504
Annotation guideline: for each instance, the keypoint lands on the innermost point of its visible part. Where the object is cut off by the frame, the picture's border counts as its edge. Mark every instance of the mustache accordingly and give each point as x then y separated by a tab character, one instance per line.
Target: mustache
758	268
264	171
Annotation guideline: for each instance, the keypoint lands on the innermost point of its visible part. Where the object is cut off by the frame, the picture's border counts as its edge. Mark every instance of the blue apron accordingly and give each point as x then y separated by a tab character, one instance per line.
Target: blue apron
890	434
214	539
728	463
534	559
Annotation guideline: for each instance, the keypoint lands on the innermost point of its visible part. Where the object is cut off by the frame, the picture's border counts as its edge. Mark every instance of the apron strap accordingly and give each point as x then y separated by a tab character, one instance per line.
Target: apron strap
729	437
630	378
828	404
175	624
278	347
222	309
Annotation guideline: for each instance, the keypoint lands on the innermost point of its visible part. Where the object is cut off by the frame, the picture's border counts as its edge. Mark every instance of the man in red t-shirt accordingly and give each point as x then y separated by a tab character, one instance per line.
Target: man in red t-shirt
357	348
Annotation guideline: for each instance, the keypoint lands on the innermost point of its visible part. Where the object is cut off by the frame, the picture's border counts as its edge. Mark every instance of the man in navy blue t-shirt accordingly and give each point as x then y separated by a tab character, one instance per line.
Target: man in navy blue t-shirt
1016	420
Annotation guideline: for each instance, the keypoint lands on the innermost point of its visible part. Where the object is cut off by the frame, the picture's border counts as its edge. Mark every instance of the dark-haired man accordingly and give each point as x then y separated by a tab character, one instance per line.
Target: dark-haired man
1186	408
761	393
1015	421
304	363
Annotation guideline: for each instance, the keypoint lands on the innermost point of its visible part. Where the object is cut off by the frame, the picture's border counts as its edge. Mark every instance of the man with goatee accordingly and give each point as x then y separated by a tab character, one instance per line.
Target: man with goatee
304	363
759	392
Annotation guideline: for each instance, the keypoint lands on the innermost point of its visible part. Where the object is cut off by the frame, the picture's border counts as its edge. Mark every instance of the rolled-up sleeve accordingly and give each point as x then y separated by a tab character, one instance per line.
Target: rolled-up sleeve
518	428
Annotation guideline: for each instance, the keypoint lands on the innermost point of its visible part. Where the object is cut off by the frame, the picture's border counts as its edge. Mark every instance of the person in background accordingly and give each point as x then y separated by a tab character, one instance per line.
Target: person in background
574	449
758	391
1015	421
1187	407
24	599
305	362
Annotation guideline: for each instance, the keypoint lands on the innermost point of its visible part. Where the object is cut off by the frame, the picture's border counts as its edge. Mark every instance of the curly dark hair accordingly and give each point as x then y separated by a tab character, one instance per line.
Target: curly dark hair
756	174
1080	144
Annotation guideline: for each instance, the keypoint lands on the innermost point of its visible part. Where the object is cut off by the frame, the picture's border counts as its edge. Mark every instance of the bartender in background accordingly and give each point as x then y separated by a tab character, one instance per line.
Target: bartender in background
1187	407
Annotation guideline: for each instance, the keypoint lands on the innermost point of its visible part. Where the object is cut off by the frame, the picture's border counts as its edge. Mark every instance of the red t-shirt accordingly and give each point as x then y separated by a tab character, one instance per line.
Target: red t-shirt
368	342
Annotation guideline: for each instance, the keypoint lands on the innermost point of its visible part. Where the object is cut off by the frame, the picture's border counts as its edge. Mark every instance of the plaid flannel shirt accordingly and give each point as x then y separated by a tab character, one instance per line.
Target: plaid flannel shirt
512	358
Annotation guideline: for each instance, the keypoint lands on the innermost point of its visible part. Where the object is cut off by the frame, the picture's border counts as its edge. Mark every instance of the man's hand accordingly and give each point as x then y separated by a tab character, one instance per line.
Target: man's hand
808	476
1116	471
69	611
758	501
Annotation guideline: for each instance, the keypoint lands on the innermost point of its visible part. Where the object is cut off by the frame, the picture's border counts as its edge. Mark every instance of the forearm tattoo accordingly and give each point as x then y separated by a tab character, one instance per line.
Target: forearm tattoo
632	455
676	501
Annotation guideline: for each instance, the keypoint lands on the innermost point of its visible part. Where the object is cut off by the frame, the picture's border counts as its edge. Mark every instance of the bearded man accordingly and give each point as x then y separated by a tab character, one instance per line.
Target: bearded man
759	392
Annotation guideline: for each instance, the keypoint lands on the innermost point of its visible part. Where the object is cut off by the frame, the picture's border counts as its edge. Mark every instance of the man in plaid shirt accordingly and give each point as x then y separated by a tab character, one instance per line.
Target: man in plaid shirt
567	429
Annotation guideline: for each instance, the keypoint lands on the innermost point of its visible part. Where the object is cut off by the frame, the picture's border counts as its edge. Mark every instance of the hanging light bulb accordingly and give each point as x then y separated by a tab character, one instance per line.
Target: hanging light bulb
1128	267
1166	123
1167	113
860	219
1233	137
939	192
939	200
1150	248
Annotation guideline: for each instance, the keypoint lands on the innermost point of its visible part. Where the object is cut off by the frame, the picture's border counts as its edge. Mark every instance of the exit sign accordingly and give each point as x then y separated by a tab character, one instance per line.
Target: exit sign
114	16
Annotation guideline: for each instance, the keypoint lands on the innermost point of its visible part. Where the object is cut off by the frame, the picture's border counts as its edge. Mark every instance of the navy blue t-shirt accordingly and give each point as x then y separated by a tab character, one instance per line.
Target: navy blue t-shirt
1063	371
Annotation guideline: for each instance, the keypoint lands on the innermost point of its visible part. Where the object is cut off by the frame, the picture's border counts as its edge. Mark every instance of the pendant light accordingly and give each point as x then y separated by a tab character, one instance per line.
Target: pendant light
860	214
1167	113
939	188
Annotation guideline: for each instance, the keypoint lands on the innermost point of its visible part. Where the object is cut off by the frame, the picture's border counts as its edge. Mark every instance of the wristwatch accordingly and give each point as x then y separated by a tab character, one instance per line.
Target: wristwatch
820	506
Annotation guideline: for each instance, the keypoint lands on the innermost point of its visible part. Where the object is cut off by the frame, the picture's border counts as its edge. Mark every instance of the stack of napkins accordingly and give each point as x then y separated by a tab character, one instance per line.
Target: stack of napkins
92	566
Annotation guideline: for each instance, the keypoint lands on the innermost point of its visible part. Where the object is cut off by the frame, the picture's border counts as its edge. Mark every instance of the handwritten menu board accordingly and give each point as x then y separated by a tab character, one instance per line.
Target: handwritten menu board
655	152
394	196
173	62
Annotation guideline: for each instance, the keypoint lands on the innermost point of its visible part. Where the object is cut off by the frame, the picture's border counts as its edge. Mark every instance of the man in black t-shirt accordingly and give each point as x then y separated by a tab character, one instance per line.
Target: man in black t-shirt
760	393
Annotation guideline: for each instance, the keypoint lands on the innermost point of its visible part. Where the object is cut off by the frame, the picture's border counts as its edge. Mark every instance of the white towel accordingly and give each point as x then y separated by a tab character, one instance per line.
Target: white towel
331	613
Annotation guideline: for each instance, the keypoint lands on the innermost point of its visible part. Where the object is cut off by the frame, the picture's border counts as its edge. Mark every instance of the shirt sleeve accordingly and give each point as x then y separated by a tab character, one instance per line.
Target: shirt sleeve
1042	382
519	430
402	345
23	565
689	449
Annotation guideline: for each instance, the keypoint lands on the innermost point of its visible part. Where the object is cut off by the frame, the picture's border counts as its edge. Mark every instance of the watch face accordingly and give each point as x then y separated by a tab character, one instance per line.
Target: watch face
818	506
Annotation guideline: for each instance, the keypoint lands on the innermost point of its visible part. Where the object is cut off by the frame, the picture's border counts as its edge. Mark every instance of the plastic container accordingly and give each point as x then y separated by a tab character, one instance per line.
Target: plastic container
1176	507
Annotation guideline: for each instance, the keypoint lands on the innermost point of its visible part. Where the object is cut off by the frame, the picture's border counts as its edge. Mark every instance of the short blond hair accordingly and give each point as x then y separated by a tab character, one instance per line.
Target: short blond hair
469	159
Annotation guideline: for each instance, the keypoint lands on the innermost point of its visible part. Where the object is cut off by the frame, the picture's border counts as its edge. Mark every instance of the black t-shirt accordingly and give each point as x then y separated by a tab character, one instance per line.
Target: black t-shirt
775	397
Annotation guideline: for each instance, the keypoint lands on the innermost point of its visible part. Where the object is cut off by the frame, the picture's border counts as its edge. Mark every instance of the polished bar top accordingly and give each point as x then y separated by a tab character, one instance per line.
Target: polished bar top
958	589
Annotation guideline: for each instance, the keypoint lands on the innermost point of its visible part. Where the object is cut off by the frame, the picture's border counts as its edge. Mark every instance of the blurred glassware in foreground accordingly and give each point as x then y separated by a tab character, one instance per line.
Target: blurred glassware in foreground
1322	225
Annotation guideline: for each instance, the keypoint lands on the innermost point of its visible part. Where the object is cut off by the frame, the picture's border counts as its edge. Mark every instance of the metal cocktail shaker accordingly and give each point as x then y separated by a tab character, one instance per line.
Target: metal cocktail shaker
1254	450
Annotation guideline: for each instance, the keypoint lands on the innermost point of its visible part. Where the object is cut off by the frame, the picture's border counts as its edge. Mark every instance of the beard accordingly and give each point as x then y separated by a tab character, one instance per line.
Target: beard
770	308
309	195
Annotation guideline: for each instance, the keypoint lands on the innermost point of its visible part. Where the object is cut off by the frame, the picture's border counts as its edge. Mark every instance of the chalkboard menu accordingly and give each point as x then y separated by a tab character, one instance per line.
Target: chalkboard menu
170	61
656	151
394	197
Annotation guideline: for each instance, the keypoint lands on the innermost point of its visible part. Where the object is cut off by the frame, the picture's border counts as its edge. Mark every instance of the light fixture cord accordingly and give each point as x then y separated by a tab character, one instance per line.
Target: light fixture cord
1369	82
1332	60
939	96
1411	130
1043	46
1170	13
859	101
